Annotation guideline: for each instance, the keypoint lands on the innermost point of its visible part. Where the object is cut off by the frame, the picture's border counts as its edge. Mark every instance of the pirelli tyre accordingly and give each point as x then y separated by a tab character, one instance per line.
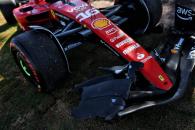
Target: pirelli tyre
40	59
145	15
6	9
155	10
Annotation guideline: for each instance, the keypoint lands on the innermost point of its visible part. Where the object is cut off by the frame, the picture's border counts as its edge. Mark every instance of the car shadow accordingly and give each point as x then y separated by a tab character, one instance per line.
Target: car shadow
4	27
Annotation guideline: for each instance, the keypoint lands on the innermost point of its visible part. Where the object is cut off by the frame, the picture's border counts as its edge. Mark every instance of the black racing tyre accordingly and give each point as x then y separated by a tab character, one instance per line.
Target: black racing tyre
6	10
40	60
155	10
142	8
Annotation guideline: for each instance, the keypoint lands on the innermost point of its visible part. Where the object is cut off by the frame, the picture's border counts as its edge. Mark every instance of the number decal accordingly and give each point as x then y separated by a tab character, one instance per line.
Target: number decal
87	14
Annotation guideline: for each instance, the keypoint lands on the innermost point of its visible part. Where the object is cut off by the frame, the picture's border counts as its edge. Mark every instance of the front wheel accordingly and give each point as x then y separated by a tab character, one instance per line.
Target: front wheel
143	14
40	60
155	10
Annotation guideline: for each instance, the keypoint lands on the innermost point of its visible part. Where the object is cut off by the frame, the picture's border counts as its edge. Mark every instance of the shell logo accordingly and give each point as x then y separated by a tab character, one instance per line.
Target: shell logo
101	23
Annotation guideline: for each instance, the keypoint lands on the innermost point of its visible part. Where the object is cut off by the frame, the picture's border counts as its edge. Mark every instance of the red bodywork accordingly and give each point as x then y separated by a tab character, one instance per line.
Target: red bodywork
91	18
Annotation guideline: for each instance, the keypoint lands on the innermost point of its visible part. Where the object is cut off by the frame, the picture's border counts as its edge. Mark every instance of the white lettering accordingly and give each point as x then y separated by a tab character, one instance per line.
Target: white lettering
146	59
131	48
87	14
78	8
128	40
111	31
117	37
184	14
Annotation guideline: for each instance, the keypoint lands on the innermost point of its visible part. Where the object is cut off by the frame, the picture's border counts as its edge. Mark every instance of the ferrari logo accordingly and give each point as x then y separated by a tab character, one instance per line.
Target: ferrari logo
101	23
161	78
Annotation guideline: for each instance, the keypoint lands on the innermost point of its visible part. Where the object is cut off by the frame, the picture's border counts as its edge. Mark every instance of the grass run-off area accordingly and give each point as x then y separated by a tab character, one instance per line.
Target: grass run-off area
22	107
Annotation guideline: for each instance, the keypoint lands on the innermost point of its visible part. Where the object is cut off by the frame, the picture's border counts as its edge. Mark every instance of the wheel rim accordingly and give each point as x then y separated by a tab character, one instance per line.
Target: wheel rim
26	68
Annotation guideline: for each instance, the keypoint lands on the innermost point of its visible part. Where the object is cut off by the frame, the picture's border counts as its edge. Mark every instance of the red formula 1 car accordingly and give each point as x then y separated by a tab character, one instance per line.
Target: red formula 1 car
54	27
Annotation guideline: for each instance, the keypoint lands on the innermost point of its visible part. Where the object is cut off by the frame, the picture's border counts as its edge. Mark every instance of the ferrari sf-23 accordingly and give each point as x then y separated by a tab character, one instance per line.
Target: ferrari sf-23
52	28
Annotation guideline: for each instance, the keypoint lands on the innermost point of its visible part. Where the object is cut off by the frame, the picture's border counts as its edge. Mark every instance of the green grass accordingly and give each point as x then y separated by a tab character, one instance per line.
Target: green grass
5	31
21	107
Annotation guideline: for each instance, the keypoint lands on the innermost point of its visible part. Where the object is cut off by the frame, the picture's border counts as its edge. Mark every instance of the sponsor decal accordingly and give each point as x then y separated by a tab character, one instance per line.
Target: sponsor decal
161	78
78	8
177	46
192	53
184	13
131	48
87	14
146	59
140	56
158	55
101	23
127	40
111	31
73	45
117	37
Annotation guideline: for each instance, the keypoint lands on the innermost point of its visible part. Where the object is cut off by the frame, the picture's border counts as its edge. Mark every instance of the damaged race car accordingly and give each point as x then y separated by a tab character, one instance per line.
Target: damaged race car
52	28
